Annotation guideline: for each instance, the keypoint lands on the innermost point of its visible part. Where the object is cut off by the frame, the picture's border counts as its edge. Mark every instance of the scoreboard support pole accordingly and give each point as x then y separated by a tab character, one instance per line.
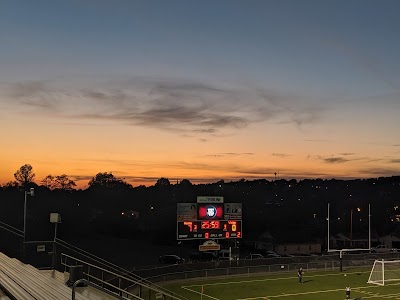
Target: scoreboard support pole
180	248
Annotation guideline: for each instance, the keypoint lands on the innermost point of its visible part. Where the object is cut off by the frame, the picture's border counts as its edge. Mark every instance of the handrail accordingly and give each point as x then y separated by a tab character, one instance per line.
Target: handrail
35	242
79	281
89	255
92	265
150	286
123	272
12	229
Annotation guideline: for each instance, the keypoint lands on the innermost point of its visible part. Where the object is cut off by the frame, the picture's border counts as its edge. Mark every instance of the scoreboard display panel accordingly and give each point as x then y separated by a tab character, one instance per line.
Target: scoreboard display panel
209	218
209	229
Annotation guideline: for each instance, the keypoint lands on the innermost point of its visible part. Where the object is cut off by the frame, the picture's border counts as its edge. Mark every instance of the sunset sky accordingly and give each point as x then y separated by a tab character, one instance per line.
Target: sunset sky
200	90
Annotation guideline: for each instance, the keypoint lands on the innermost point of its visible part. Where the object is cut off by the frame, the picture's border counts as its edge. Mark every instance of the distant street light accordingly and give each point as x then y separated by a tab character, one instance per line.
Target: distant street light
31	193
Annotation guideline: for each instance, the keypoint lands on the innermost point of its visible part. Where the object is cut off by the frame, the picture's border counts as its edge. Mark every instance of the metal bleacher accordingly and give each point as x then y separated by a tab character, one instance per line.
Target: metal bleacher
25	282
115	280
3	296
28	278
20	281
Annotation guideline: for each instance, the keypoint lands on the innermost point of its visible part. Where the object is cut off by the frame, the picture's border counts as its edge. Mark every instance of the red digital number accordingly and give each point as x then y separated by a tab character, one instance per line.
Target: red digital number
189	224
214	224
206	235
205	225
210	225
227	235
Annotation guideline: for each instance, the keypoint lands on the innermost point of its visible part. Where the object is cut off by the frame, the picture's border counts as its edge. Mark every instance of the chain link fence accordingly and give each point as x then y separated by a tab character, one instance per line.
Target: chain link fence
259	266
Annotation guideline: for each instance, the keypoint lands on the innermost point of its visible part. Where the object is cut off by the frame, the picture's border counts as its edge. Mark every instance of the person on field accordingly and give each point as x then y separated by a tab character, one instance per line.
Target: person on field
300	275
348	292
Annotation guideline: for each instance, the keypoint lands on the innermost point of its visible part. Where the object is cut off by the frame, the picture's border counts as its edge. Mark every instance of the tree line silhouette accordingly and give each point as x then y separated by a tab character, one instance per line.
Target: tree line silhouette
291	210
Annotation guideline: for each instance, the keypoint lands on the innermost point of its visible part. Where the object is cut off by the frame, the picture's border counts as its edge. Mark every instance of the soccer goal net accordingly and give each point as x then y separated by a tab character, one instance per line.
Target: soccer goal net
384	271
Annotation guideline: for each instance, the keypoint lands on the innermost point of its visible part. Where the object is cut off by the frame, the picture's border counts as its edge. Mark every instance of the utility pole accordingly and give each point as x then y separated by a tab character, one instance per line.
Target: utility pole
351	227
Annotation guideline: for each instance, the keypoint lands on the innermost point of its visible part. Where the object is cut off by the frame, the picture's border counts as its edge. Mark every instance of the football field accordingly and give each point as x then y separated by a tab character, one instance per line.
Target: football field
284	286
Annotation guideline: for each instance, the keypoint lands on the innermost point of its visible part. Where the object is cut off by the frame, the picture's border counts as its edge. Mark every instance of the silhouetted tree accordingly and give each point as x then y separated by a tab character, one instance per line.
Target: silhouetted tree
61	182
24	175
11	184
64	183
163	182
185	183
49	182
107	180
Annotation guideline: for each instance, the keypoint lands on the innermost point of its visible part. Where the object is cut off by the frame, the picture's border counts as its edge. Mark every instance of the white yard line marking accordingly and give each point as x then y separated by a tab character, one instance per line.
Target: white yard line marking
263	280
293	294
383	296
355	289
196	292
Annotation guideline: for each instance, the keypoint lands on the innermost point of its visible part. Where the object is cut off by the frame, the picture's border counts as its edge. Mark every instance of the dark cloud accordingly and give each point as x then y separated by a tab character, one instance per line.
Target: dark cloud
344	157
189	116
205	130
185	107
335	160
290	109
369	160
379	172
306	117
176	89
339	158
113	97
81	177
27	89
31	93
282	155
231	154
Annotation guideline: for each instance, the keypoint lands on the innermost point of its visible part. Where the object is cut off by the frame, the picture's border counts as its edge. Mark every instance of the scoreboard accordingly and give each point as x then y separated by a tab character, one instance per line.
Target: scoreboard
216	220
199	229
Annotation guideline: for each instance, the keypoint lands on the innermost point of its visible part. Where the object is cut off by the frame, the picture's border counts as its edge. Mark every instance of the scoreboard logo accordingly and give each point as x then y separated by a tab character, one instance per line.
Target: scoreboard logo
210	211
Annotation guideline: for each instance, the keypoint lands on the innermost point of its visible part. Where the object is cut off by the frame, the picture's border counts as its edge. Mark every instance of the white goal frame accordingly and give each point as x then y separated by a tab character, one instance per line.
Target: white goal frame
384	271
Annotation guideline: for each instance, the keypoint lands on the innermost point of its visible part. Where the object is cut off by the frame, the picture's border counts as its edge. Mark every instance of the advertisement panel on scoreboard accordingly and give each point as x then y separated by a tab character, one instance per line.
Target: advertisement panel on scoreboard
186	211
233	211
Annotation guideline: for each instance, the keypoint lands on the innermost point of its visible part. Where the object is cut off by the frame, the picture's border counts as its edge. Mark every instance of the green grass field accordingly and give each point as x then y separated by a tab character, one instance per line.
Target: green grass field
316	285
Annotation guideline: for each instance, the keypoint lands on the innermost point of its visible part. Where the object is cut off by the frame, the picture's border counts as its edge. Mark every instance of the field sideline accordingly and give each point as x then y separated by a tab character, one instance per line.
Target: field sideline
285	286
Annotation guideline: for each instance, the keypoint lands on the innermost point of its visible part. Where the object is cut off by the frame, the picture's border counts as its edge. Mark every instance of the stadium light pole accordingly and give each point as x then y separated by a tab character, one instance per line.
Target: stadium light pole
328	226
369	226
351	227
31	193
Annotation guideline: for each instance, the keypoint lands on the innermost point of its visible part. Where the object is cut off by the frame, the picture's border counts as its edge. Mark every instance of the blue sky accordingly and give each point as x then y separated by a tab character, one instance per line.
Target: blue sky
323	74
260	40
